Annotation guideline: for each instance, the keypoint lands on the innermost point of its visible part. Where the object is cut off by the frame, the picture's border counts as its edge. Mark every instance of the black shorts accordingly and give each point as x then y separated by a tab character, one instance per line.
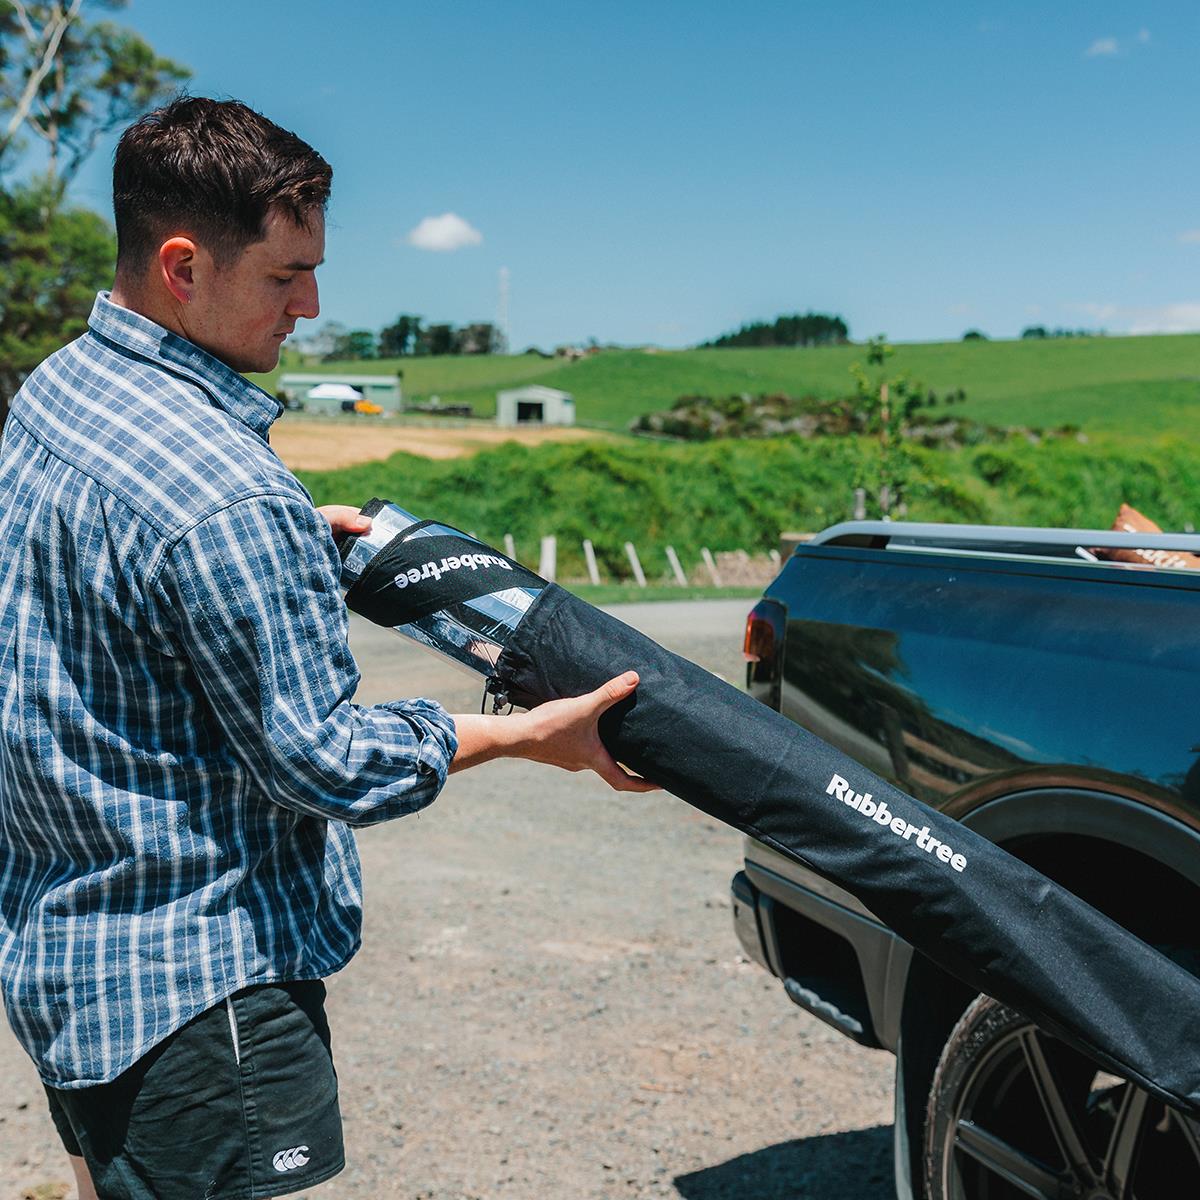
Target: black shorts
239	1104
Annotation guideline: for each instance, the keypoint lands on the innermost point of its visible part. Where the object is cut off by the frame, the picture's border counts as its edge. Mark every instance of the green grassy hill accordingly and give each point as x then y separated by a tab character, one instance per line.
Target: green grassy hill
1141	386
1112	384
1137	399
740	494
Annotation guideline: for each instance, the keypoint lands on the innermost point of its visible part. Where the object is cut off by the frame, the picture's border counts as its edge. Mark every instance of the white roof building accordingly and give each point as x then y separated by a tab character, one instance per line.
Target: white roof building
300	387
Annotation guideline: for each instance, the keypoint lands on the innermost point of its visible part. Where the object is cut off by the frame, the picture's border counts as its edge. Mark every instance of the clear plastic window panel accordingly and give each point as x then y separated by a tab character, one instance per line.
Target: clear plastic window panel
472	634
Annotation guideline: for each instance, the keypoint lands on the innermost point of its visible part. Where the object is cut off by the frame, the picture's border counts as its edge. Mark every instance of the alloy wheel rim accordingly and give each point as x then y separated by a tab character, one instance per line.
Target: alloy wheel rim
1035	1119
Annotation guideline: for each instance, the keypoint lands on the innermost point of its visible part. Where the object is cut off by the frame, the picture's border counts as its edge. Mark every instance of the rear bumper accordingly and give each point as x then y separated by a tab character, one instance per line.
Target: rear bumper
841	966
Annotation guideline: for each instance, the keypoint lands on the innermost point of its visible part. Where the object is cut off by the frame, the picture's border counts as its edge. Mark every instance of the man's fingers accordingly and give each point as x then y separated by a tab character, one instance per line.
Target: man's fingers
619	779
345	518
634	784
614	691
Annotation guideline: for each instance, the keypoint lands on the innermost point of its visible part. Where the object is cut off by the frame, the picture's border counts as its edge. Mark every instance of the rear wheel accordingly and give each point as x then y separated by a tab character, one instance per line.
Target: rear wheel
1014	1113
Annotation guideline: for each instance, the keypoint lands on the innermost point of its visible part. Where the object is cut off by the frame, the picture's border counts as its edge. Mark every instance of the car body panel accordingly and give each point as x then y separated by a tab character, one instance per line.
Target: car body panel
1031	699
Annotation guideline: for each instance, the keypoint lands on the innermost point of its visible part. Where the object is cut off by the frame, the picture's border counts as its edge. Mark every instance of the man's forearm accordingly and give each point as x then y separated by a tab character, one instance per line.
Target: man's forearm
564	733
482	738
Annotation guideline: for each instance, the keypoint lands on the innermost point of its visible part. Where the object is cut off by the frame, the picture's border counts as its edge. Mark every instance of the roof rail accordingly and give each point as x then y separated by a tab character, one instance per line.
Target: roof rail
996	539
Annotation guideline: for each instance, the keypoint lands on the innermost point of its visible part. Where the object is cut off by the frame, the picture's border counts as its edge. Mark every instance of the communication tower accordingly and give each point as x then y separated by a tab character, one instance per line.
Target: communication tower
502	311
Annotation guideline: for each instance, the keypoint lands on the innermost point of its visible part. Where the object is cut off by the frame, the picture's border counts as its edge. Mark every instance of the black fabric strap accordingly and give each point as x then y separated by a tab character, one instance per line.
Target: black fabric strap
346	541
412	577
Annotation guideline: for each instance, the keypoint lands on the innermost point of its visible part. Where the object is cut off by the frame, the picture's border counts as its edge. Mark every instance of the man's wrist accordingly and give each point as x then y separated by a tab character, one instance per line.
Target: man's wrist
482	738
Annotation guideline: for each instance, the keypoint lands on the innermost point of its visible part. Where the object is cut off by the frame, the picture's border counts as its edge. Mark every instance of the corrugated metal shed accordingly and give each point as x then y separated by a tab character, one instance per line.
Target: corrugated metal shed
535	405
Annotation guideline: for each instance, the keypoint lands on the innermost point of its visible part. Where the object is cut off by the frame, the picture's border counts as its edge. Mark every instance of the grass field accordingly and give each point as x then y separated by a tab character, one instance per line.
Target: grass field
1123	385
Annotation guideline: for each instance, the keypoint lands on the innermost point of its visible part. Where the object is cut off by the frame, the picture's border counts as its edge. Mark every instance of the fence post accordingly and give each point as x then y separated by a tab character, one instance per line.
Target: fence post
510	547
589	556
776	558
676	569
860	504
706	554
548	563
635	563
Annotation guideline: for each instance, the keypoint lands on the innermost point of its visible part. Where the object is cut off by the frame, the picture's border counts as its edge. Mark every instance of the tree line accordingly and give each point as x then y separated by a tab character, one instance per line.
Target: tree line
406	337
796	329
66	80
1036	333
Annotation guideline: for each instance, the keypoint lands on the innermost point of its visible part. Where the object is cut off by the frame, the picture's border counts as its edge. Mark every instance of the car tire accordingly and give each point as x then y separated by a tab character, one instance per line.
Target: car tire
1015	1113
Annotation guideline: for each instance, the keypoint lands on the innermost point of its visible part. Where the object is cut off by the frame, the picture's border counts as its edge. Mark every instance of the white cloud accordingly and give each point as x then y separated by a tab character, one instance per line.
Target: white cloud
447	232
1180	317
1168	318
1190	236
1143	37
1102	47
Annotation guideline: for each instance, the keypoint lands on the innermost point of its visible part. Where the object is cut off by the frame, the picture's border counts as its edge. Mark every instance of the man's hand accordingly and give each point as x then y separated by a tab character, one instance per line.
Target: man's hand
564	733
344	519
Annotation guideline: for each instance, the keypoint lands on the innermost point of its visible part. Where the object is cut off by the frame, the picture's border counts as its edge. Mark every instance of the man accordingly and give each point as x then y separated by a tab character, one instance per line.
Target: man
180	760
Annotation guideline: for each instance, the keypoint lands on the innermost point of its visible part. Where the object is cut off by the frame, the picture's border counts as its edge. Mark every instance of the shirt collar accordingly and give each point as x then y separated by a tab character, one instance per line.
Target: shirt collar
227	389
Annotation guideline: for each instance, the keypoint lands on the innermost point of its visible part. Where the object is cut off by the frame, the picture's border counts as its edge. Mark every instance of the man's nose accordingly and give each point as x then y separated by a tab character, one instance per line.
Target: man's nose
304	301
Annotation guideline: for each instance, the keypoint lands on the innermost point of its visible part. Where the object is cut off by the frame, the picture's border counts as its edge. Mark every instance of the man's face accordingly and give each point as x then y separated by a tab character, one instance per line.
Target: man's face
242	311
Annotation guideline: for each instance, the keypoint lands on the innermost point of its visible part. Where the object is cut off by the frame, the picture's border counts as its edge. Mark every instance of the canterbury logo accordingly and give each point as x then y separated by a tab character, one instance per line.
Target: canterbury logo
289	1160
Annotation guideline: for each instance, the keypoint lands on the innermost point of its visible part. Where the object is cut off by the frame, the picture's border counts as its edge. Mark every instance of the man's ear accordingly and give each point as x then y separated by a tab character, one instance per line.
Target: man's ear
176	260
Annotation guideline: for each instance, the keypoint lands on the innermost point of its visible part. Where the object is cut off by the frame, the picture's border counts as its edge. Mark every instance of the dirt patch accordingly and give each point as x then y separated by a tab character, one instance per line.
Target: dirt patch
311	444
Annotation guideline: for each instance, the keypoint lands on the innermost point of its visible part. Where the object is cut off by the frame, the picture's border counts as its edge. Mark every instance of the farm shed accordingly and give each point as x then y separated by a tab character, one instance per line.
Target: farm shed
297	390
535	405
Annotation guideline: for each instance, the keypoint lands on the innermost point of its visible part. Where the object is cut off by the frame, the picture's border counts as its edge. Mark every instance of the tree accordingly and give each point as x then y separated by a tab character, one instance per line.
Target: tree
357	344
1035	332
975	335
807	329
886	408
400	339
322	343
66	81
436	339
53	260
69	81
481	337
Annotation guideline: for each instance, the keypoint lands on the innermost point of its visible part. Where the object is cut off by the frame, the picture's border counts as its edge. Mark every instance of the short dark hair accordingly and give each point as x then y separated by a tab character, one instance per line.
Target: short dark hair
214	169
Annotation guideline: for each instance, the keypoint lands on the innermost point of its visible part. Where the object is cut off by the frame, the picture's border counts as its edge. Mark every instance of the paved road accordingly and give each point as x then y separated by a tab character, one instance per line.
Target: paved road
550	1003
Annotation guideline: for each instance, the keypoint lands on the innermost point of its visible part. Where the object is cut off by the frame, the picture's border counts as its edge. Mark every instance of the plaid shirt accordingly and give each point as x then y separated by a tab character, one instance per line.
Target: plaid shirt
180	760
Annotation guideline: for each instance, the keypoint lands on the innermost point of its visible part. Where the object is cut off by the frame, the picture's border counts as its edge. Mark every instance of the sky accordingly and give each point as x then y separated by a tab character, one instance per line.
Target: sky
660	172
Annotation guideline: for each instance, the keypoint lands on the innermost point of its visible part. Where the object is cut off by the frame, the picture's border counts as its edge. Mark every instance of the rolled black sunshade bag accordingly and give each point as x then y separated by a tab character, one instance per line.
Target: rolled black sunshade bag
970	907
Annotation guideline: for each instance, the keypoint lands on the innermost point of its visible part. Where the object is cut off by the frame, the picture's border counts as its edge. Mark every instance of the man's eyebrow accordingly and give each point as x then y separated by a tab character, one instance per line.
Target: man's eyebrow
302	266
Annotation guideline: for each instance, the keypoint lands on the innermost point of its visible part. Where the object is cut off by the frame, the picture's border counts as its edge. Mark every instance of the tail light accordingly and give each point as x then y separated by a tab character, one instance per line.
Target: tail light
762	649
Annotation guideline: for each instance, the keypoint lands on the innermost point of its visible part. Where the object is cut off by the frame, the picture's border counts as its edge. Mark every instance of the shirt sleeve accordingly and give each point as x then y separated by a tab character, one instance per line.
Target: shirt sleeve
250	595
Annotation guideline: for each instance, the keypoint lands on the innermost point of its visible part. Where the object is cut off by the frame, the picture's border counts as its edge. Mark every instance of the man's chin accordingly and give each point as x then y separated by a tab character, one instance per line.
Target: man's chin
266	360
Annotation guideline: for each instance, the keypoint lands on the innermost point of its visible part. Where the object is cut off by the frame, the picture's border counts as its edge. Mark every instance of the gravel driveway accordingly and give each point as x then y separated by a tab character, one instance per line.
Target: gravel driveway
550	1003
